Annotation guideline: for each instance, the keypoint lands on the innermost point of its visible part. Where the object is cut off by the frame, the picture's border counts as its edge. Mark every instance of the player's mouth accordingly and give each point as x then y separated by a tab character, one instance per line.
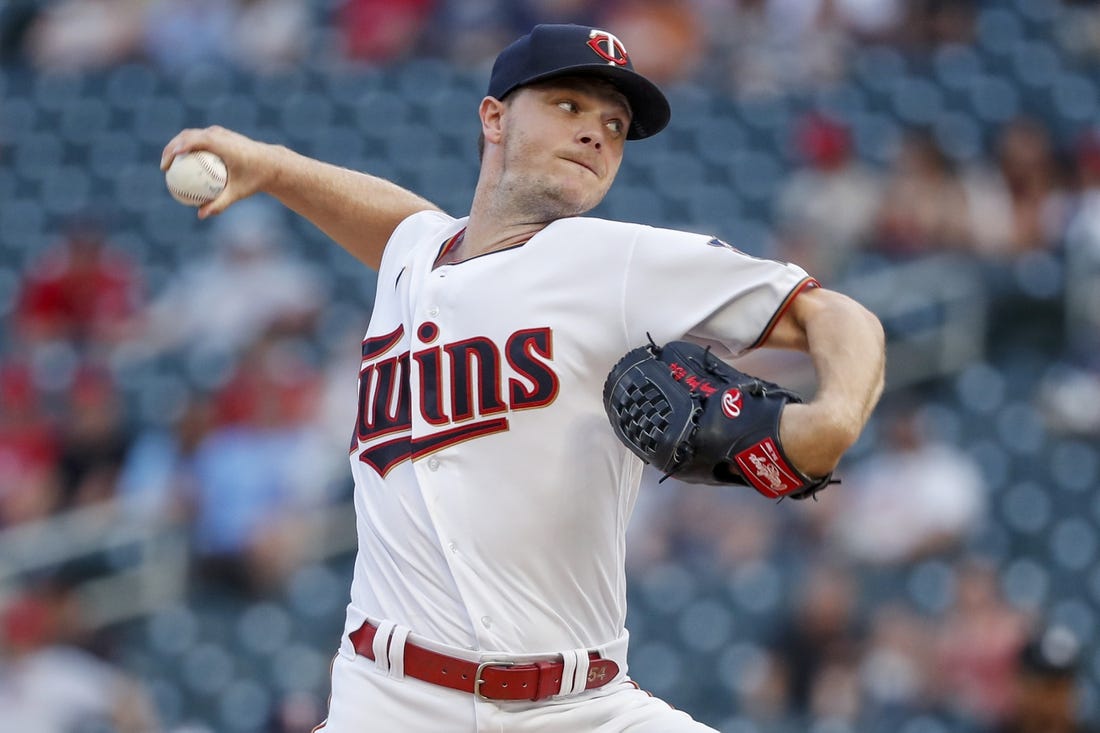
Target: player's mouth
584	165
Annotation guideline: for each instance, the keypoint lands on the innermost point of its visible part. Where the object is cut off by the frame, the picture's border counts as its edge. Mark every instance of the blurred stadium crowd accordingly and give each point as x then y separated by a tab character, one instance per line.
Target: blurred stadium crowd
176	396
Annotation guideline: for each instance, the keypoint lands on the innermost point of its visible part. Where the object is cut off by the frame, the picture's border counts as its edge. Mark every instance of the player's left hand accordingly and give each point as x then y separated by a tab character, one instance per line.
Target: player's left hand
695	417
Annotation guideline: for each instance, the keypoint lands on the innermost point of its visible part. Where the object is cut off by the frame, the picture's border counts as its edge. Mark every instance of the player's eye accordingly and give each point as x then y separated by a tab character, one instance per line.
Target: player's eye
567	105
616	126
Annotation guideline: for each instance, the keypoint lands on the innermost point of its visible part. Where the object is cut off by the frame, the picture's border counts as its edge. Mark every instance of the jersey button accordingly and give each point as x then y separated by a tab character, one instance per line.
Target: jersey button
433	464
452	547
433	311
486	621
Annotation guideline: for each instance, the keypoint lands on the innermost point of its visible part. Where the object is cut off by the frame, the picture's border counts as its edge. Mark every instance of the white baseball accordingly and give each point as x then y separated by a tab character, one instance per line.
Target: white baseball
196	178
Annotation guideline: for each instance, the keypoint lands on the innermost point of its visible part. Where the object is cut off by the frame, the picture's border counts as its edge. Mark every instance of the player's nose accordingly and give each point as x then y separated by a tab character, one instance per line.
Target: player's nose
592	136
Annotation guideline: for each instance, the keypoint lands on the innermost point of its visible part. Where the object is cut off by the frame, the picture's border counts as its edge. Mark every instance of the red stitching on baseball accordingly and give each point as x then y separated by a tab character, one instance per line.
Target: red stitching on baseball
203	159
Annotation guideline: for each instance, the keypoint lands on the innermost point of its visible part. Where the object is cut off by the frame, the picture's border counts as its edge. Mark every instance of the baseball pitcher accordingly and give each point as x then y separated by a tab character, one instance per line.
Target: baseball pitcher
501	433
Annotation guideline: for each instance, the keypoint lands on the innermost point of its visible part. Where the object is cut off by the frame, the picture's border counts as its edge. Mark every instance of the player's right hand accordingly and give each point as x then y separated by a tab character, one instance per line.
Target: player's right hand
251	164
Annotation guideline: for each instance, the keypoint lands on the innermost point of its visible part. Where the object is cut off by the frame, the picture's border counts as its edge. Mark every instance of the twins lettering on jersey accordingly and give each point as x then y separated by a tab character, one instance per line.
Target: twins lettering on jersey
466	388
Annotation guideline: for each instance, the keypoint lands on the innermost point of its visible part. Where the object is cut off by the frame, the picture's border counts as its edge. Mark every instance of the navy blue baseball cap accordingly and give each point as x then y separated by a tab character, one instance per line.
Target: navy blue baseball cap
551	50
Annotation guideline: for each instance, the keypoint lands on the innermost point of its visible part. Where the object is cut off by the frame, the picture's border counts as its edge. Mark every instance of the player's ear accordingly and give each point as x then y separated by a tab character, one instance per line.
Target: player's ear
492	116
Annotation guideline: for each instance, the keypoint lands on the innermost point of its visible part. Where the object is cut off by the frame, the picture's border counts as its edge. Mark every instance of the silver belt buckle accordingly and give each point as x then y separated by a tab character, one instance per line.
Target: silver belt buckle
478	681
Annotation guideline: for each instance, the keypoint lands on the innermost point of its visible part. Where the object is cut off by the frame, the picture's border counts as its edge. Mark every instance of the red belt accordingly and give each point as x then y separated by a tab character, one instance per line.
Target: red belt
490	680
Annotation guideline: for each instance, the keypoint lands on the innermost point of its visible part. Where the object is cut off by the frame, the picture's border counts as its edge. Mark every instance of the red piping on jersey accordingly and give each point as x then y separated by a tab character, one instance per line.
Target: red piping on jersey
807	284
456	240
450	244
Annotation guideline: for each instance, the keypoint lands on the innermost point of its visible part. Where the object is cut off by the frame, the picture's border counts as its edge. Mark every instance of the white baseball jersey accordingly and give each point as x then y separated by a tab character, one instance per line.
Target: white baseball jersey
492	496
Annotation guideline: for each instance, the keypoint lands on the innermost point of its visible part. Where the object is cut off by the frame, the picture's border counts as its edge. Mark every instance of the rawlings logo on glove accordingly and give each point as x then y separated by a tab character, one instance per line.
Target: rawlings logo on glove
691	415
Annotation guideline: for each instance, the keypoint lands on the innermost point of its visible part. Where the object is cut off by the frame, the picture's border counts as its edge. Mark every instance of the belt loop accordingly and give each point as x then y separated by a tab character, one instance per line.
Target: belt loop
580	683
380	647
574	671
397	651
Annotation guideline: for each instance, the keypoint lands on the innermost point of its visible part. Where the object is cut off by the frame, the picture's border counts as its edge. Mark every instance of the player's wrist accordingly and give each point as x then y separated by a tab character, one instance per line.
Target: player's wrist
278	161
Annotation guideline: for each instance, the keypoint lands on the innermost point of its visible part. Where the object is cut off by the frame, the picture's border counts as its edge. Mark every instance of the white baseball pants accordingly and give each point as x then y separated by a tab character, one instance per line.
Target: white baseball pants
366	700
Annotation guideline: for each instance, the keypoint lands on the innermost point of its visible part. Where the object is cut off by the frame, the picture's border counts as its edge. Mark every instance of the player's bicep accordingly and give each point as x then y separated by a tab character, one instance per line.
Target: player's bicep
789	330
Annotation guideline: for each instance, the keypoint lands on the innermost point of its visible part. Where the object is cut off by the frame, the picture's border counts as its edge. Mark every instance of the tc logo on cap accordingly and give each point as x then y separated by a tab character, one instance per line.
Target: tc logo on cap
608	47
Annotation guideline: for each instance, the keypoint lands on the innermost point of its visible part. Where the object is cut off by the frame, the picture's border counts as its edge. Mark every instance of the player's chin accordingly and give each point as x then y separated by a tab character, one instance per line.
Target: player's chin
581	196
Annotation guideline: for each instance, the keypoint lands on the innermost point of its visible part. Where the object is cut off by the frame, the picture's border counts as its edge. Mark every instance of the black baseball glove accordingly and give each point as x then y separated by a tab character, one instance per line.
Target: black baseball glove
695	417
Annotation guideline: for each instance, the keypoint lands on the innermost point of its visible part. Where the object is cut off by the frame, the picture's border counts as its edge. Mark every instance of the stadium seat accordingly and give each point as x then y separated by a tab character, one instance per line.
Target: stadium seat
1025	582
171	631
1025	507
931	585
1074	466
244	706
706	625
666	588
263	628
916	101
955	66
877	68
305	666
1073	544
130	85
660	664
998	31
316	591
1021	429
84	120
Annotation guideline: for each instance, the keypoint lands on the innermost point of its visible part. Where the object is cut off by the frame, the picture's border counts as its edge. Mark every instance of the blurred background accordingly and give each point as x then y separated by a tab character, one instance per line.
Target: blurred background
176	533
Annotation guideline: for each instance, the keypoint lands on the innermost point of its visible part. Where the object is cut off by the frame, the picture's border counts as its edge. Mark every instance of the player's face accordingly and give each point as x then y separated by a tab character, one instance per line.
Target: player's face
562	145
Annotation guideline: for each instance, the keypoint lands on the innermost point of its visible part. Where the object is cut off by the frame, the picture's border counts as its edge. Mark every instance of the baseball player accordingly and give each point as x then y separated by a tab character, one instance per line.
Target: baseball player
492	496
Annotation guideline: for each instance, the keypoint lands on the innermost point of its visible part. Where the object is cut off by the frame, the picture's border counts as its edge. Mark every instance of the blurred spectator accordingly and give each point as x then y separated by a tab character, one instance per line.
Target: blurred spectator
179	34
333	418
898	662
1068	398
723	527
81	290
93	438
924	208
770	47
976	646
1082	249
1077	29
296	712
258	35
470	33
16	19
383	31
819	644
932	23
670	25
826	207
1045	691
1019	204
251	284
254	497
81	34
870	21
157	480
29	478
50	683
914	497
271	34
273	381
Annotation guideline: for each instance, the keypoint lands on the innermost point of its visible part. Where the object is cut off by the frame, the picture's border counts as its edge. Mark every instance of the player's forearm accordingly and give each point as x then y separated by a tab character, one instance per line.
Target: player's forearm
847	345
356	210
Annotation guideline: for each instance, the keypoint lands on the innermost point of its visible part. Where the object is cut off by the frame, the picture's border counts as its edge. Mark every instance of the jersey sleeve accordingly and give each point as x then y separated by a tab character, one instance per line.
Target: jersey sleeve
679	284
